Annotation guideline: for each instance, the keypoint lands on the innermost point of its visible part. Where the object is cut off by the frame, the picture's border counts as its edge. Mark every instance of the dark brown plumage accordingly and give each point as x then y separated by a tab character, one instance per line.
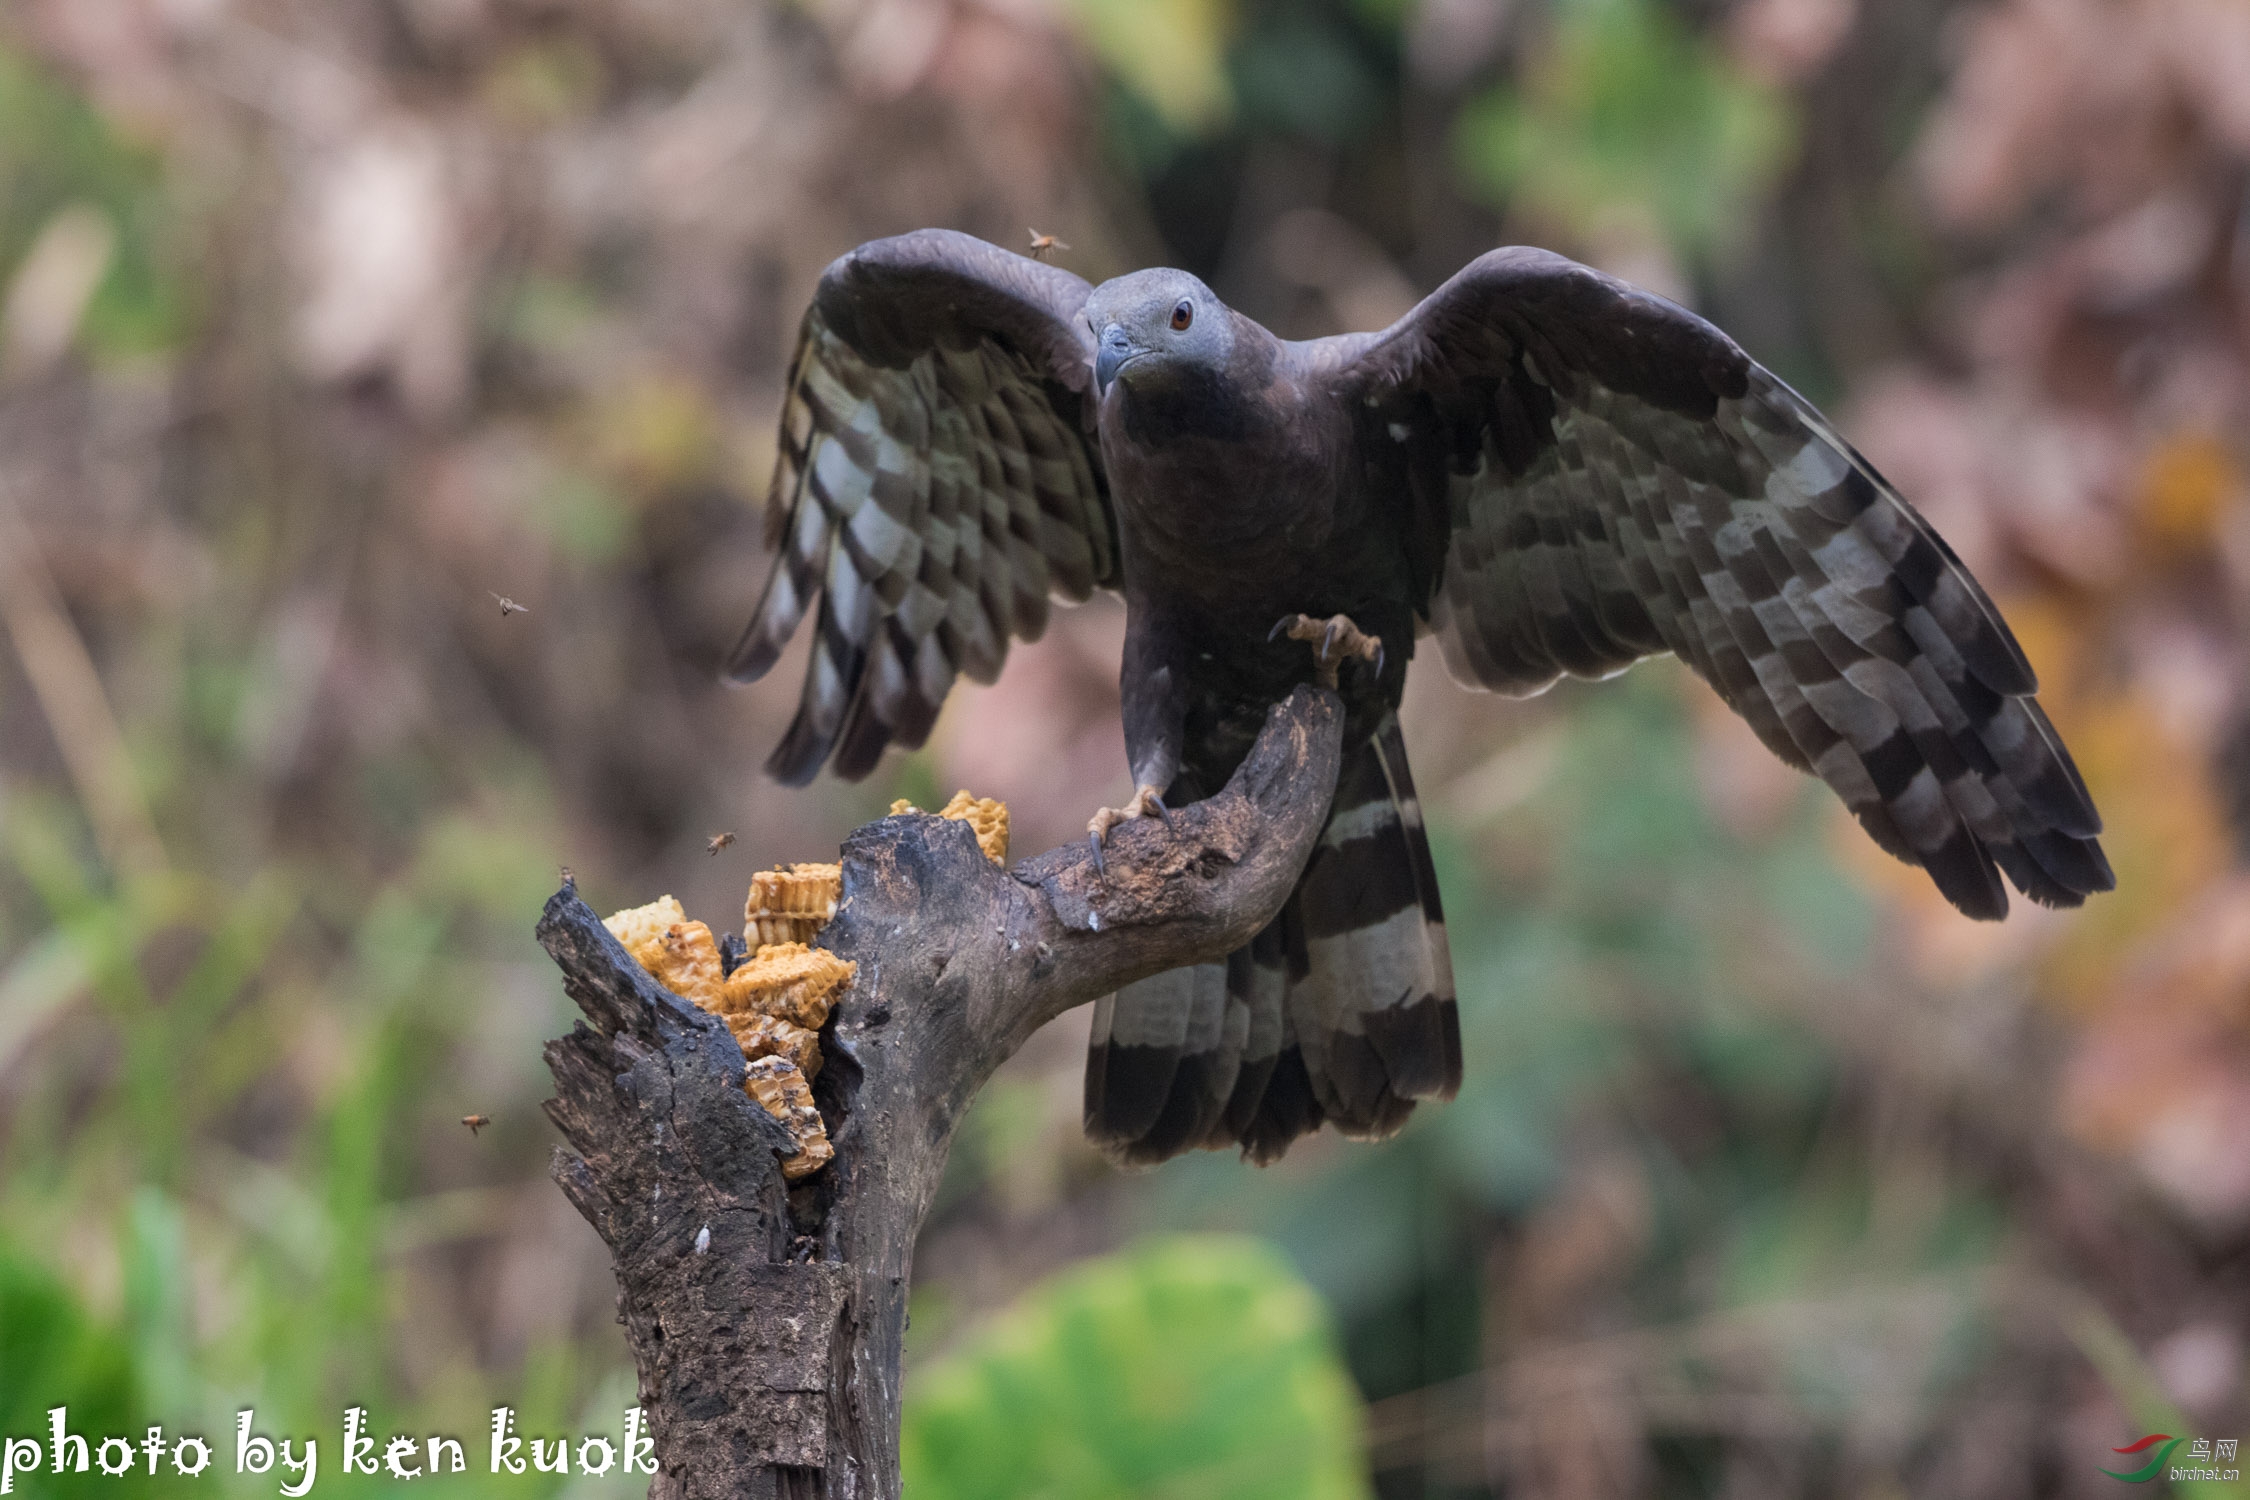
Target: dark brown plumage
1549	470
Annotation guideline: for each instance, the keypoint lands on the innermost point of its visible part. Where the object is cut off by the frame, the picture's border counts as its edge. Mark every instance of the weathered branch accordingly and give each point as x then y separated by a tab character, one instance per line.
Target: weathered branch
769	1346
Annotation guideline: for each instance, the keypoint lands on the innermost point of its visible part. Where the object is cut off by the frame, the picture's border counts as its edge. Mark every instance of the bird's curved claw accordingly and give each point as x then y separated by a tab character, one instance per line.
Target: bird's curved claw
1337	638
1146	800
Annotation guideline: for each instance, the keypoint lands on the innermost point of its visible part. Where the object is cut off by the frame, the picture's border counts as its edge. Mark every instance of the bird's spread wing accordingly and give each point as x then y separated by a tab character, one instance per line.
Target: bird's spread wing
1590	475
936	482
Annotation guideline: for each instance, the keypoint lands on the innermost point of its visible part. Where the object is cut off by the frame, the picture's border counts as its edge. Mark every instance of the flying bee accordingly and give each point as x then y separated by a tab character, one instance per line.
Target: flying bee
509	606
476	1122
718	841
1042	243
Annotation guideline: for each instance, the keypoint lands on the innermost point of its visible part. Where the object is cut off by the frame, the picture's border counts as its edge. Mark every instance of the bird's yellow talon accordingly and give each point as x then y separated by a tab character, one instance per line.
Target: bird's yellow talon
1337	639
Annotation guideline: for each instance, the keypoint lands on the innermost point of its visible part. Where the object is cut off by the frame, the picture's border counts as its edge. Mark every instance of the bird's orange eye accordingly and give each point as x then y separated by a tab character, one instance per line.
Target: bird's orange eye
1183	315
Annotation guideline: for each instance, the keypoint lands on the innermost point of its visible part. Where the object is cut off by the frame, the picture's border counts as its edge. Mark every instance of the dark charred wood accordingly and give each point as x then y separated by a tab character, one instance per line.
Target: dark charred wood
767	1322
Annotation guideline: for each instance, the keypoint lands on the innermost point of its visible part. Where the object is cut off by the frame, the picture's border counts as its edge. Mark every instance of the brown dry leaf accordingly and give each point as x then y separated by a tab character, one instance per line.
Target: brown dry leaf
2160	1072
1787	41
388	261
2164	832
2206	44
2185	485
2057	635
2197	1147
2047	90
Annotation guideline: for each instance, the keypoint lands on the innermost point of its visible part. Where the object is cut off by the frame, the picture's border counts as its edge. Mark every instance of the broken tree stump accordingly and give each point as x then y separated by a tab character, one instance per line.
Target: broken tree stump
767	1319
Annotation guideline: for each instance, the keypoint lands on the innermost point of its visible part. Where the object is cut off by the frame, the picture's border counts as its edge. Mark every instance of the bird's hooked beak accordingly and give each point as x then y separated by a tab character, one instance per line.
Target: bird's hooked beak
1117	350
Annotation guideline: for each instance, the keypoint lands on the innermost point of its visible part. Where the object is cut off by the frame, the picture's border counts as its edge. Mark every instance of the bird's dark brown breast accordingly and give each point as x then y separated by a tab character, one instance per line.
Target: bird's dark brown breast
1194	509
1231	489
1222	538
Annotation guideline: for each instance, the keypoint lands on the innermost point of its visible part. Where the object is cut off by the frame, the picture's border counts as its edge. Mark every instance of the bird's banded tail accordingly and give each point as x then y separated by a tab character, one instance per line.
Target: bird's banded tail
1341	1010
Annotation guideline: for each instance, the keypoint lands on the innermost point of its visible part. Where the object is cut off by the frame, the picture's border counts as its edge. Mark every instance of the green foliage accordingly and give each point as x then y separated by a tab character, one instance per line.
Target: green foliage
178	1039
1622	116
236	1072
55	151
1214	72
1196	1366
1171	54
590	522
1302	75
53	1354
302	1250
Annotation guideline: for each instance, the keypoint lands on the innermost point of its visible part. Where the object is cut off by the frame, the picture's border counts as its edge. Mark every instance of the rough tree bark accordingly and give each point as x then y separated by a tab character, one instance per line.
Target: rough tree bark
767	1321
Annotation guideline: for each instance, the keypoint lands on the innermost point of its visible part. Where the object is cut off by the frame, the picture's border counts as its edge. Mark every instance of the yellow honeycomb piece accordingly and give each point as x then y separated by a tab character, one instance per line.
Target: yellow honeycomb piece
778	1085
774	1004
686	962
641	928
790	904
770	1036
986	816
768	932
788	980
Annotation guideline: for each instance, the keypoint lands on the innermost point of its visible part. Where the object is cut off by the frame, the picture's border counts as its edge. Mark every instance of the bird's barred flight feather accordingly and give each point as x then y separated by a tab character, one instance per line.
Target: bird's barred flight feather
931	504
1555	473
1722	518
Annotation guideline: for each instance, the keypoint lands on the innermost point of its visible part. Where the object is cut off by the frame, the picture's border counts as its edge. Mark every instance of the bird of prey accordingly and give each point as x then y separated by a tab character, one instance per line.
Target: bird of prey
1548	470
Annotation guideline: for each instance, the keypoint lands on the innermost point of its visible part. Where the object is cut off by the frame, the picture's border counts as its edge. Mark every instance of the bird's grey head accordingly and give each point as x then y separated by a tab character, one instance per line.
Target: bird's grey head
1153	327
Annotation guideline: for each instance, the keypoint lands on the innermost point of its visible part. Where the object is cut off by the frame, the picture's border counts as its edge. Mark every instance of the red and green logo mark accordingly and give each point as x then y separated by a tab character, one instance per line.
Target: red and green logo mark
2155	1465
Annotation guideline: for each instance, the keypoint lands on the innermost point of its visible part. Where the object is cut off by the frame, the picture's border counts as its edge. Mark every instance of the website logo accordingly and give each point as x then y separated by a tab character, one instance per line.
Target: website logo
2155	1465
2200	1454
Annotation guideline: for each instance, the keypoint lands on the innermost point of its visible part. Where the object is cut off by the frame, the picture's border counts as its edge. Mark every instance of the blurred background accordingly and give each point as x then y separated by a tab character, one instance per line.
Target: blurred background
328	324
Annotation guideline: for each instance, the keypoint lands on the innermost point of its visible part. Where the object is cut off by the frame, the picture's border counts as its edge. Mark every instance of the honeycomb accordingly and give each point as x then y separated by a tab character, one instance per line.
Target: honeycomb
789	980
987	817
776	1001
771	1036
790	904
642	927
776	1083
685	960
